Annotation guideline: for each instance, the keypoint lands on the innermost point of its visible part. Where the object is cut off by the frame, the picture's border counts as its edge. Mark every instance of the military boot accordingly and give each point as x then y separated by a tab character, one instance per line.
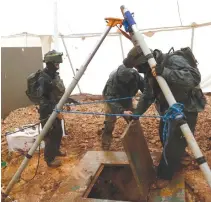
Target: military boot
107	134
106	140
186	159
54	164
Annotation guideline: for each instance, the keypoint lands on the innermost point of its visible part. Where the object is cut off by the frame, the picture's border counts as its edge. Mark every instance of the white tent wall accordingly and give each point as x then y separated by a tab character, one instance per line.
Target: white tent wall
82	17
87	16
21	41
202	45
164	40
109	55
107	58
92	20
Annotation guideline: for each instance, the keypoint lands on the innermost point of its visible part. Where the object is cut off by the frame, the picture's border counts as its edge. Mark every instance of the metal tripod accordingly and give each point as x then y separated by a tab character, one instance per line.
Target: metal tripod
111	22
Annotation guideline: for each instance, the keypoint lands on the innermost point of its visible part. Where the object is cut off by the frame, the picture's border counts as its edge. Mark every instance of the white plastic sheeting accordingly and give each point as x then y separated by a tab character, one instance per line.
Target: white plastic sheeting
46	43
82	17
24	137
87	16
109	56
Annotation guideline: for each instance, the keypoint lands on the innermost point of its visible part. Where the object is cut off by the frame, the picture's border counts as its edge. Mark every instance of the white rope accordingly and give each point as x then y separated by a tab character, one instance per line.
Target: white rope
144	31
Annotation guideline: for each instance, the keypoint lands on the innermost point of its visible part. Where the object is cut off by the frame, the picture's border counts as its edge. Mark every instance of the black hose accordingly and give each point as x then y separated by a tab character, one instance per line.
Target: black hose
31	126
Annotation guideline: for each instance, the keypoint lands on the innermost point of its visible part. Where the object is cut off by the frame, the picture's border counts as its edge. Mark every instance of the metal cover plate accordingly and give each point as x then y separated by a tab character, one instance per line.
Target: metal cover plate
75	187
139	157
174	192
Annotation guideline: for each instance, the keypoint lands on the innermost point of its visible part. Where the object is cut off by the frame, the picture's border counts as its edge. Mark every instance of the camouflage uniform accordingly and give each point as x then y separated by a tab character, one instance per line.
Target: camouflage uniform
123	82
51	93
51	89
183	81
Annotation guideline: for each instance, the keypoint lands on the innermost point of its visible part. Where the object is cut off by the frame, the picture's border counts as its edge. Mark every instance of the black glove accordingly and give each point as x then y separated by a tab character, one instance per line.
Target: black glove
130	118
181	121
159	59
159	69
70	100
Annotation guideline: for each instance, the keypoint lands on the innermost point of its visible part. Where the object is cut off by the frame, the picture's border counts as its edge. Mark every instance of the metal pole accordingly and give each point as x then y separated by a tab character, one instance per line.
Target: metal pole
192	38
139	41
122	49
54	113
68	56
56	31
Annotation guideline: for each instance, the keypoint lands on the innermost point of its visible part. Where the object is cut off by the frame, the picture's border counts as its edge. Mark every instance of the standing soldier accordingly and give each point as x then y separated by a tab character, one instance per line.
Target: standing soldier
46	88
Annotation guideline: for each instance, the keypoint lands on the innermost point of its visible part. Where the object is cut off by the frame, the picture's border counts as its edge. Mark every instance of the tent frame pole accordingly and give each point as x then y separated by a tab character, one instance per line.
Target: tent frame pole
71	65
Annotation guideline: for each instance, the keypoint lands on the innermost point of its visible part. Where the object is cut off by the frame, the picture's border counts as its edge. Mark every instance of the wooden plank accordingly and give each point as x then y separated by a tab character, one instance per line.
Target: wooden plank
139	157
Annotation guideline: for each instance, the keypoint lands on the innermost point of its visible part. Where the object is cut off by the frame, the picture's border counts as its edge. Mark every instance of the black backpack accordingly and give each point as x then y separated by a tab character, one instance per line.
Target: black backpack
32	86
186	53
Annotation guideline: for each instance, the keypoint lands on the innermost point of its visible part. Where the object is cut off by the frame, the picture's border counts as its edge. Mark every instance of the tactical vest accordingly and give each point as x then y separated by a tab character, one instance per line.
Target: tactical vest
58	88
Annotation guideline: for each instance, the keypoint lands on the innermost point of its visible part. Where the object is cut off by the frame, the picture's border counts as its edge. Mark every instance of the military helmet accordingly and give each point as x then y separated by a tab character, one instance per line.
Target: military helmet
135	57
53	56
126	75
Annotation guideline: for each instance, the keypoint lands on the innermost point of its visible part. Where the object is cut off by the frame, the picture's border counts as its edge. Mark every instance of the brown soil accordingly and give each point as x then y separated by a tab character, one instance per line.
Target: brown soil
83	135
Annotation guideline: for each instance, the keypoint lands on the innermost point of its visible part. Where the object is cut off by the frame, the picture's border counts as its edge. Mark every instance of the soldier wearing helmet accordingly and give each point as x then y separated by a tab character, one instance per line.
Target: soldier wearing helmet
123	82
50	90
183	80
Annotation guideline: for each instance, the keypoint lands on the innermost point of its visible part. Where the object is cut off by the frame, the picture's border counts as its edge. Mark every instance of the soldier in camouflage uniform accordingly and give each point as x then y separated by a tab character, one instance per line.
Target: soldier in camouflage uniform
51	89
183	80
123	82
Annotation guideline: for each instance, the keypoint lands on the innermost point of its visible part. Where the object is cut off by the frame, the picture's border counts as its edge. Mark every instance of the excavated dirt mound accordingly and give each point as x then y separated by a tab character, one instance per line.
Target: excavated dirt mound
83	135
